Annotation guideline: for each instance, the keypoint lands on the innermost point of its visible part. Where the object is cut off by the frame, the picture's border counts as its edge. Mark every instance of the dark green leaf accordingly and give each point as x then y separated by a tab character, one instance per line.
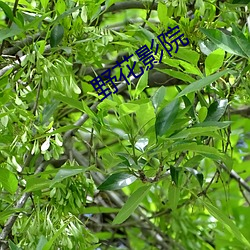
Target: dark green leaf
216	110
223	41
7	10
174	172
198	175
8	180
166	117
245	2
132	203
56	35
117	181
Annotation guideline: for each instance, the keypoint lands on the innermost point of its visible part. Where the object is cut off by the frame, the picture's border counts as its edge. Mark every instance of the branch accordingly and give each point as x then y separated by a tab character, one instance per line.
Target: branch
236	177
21	44
128	5
20	203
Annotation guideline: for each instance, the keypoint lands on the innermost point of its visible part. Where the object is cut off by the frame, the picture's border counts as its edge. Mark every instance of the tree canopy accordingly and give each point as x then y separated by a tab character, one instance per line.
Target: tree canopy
116	136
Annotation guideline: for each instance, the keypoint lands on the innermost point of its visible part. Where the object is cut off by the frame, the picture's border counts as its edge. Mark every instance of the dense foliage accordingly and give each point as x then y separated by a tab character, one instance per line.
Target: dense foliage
162	164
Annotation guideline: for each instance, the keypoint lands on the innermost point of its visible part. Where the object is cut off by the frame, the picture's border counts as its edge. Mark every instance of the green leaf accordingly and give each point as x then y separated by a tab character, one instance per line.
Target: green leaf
158	97
223	41
117	181
56	35
227	223
177	74
216	110
70	101
162	12
98	210
49	244
7	10
66	172
214	61
13	246
174	172
193	132
141	85
198	175
202	114
13	31
188	55
245	2
8	180
173	196
41	243
197	85
166	117
35	184
132	203
219	125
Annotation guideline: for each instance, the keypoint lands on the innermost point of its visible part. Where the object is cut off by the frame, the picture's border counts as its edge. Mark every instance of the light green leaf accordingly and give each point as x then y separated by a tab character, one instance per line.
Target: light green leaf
158	97
98	210
141	85
214	61
41	243
193	132
227	223
66	172
128	108
162	12
188	55
132	203
173	196
49	244
177	74
197	85
70	101
34	184
8	180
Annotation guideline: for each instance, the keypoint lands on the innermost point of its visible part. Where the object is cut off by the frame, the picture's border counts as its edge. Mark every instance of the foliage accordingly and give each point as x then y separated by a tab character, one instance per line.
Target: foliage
162	164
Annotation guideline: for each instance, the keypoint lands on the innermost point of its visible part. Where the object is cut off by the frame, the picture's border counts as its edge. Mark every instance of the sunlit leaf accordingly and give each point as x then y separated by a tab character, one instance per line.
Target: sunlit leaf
117	181
8	180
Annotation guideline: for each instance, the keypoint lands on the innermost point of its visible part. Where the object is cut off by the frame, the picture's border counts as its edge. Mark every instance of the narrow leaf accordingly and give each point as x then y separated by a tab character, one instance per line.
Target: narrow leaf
64	173
229	224
173	196
158	97
223	41
197	85
117	181
166	117
132	203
